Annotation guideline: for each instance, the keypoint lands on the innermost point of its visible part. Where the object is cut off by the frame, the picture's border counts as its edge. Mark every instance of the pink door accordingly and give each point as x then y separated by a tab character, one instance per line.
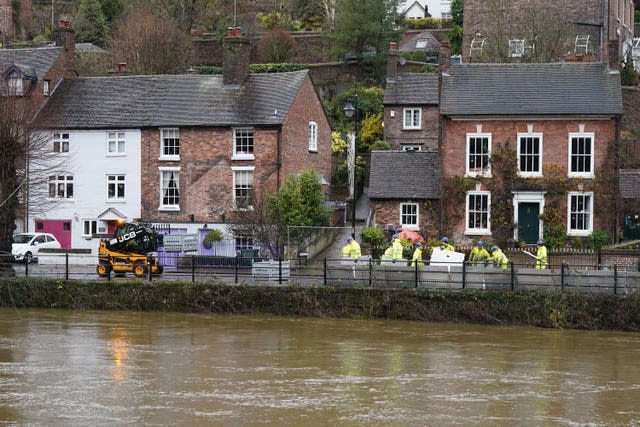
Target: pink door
61	228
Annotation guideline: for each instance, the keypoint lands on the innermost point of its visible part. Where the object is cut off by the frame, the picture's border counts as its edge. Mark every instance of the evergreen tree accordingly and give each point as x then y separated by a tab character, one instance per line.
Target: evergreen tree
90	24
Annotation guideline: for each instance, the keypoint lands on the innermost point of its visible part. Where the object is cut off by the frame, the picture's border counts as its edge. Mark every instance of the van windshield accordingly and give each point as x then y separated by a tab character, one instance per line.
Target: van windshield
22	238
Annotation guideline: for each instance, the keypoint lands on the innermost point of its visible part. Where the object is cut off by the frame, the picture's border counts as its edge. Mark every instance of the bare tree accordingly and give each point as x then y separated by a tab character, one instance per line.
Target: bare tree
25	163
524	32
150	43
259	225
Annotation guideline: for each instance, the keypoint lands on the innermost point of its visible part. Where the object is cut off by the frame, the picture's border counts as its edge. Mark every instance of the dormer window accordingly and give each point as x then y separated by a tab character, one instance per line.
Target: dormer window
45	88
16	87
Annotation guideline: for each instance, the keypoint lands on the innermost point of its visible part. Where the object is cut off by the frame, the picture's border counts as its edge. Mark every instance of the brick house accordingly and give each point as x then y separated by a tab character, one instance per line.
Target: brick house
593	23
184	150
560	122
404	190
404	183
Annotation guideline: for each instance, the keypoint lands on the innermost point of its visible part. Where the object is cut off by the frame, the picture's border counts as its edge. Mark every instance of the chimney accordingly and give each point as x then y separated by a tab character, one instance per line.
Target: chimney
119	68
236	56
613	61
392	61
65	36
444	56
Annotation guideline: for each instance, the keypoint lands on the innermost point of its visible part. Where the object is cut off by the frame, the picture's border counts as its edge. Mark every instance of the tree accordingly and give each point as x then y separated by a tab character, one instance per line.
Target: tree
543	27
457	12
299	202
90	23
277	46
150	44
366	25
25	163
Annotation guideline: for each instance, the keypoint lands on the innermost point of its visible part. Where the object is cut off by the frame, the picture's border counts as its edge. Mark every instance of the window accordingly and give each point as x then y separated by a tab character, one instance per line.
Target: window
412	147
478	215
530	154
516	48
244	243
313	136
16	86
169	144
115	142
61	186
60	142
243	188
412	118
115	187
409	215
580	215
45	88
170	188
90	227
581	155
446	16
243	143
478	151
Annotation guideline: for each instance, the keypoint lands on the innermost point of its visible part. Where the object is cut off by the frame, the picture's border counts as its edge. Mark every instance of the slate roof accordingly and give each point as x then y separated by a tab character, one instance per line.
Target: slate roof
404	175
39	59
170	100
629	182
531	89
431	43
412	89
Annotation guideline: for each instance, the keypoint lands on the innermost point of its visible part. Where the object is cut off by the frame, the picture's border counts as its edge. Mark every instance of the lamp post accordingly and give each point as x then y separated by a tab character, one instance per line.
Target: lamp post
349	112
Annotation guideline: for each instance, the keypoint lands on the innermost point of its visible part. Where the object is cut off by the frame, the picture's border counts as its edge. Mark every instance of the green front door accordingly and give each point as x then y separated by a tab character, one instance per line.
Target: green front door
528	222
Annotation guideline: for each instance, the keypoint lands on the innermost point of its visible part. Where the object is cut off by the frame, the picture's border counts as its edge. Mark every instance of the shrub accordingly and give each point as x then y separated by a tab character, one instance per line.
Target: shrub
375	237
277	46
598	239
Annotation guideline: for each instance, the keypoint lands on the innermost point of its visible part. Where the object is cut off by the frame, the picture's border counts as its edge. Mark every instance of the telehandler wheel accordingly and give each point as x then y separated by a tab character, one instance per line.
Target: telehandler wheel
139	270
103	269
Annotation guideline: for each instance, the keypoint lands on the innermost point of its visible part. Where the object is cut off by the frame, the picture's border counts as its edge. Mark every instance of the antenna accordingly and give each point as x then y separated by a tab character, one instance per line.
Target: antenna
235	23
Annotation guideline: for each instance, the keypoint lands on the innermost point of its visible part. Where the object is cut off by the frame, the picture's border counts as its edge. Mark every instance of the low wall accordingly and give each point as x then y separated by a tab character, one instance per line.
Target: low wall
75	256
539	309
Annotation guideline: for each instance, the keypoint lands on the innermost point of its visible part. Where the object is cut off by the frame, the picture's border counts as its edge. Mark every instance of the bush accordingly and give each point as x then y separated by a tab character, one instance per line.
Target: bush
555	237
374	237
598	239
277	46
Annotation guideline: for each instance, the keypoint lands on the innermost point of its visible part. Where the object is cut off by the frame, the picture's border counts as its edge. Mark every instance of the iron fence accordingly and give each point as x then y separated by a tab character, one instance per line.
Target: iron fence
367	272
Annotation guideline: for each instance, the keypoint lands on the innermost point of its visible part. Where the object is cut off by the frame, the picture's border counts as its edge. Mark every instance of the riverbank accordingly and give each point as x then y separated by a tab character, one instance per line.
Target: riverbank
538	309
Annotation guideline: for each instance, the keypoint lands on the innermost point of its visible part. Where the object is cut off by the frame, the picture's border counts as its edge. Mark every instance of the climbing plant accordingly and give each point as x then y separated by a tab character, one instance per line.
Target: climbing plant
504	169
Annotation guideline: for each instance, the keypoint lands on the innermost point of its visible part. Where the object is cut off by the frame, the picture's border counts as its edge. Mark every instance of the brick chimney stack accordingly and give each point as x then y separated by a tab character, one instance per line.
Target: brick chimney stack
444	56
65	36
392	61
236	57
613	60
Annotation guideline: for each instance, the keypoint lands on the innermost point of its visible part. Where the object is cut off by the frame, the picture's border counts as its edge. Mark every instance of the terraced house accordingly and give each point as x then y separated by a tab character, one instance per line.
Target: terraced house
185	151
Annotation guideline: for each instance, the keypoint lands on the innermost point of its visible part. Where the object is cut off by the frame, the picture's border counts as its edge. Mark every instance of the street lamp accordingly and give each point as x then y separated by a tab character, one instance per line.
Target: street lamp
350	112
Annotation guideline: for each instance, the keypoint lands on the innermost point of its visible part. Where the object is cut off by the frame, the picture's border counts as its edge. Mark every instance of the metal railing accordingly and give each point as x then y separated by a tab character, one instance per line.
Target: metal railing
367	272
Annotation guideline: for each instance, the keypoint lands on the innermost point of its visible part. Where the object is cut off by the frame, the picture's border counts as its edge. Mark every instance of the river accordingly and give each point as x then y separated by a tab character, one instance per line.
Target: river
79	368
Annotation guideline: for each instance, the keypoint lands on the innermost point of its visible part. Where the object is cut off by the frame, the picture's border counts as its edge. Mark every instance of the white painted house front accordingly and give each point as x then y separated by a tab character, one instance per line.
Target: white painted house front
415	9
98	185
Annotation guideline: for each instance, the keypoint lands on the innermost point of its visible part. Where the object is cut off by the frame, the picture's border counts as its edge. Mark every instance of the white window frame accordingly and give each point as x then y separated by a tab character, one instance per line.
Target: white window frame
235	170
516	48
468	212
15	85
415	207
412	118
570	154
535	173
116	143
485	172
91	225
116	180
169	151
163	171
411	147
60	143
238	137
573	210
63	186
313	136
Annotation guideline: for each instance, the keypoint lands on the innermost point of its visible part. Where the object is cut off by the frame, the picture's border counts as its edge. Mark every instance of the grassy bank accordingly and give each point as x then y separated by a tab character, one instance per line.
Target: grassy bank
548	310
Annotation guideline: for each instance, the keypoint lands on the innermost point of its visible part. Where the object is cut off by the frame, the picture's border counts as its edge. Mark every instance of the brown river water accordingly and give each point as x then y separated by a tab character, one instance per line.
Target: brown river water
78	368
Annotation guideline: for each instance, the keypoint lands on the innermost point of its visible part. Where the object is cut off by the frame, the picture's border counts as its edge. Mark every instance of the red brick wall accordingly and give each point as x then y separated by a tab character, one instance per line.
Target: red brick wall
427	136
295	154
388	212
555	146
206	178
